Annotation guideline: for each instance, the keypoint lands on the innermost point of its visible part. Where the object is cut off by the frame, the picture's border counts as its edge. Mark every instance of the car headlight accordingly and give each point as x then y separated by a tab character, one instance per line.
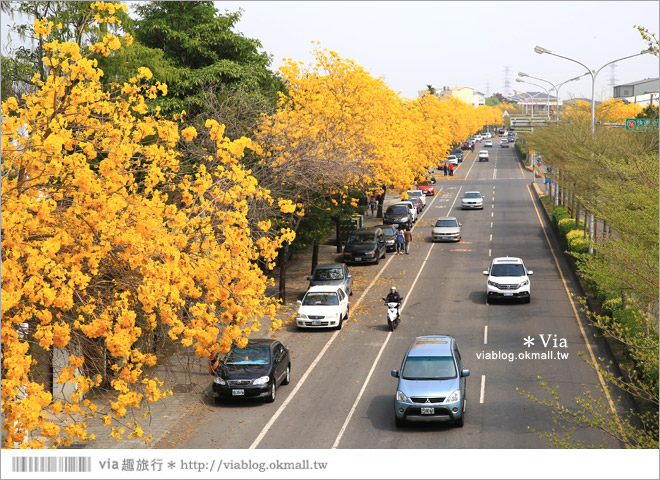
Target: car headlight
302	316
493	284
219	381
525	282
401	397
332	315
261	380
454	397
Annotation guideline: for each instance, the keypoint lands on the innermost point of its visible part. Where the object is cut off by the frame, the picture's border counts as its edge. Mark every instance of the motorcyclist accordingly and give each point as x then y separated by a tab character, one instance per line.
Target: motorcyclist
394	297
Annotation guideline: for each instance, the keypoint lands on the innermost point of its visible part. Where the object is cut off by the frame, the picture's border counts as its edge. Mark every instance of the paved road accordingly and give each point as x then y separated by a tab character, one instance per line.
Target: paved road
341	393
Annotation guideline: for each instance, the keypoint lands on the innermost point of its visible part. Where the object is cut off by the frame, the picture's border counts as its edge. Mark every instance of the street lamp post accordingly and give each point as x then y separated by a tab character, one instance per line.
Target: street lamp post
547	95
593	73
531	99
554	87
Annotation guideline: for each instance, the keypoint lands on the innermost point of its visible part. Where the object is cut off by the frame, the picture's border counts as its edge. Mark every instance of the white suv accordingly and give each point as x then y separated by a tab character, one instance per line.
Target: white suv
508	278
323	306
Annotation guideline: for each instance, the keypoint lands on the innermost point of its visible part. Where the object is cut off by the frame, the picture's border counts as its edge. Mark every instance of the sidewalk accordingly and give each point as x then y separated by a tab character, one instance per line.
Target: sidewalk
187	376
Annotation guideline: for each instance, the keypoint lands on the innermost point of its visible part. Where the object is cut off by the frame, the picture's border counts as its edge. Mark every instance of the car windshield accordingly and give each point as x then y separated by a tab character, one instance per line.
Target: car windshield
388	231
472	195
321	298
361	238
249	355
398	210
446	223
425	184
507	270
328	274
414	194
429	368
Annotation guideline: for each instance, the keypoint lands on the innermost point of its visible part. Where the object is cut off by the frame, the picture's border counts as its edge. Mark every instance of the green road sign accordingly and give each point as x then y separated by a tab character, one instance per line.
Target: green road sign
641	124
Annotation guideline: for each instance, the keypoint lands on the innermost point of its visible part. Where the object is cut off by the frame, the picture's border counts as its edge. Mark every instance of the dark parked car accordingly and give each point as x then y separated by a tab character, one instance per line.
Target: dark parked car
365	245
332	274
397	215
388	231
254	371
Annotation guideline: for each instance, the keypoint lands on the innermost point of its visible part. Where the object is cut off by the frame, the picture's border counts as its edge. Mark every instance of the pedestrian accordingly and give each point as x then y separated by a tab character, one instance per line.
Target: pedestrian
399	241
372	205
444	168
451	169
407	238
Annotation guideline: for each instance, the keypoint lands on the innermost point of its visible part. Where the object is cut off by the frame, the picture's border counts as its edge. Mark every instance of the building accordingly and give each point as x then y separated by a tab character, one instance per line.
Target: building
643	92
478	99
535	103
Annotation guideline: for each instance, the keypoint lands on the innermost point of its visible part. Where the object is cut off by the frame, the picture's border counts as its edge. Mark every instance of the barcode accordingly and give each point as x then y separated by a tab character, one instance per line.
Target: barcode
51	464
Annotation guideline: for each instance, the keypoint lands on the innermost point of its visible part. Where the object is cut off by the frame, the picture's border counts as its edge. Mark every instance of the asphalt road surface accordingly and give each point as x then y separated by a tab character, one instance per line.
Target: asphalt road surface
341	392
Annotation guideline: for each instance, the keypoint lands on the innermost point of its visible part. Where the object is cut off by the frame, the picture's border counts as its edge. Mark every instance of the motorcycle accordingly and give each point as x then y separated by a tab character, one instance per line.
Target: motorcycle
393	317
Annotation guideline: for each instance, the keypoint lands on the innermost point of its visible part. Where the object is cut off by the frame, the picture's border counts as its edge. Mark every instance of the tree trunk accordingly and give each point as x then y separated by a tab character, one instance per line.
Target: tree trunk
315	255
381	200
283	258
337	234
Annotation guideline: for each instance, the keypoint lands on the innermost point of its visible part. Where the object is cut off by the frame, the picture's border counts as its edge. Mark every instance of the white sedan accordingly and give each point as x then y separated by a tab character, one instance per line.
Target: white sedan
323	306
472	200
488	143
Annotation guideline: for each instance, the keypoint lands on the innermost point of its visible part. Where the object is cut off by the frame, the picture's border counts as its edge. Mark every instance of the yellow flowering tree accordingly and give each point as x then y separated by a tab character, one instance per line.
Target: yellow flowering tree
107	245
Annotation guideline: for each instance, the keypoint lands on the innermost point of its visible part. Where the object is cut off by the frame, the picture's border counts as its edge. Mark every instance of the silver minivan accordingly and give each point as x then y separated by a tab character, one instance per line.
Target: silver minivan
432	382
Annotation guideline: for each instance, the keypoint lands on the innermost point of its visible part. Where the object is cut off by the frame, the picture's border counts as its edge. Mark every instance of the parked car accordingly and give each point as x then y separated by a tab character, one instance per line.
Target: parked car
432	382
323	306
508	278
488	143
419	206
473	200
478	138
504	143
332	274
483	155
459	157
419	194
365	245
465	146
254	371
389	233
411	207
427	187
446	229
453	160
397	215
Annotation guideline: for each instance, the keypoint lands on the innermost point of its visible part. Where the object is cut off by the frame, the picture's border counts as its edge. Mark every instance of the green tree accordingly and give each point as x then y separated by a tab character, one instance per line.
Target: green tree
203	54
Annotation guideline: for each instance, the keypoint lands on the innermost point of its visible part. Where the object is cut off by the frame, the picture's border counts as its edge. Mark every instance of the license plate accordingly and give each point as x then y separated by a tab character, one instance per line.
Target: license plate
428	411
238	392
508	294
358	259
316	322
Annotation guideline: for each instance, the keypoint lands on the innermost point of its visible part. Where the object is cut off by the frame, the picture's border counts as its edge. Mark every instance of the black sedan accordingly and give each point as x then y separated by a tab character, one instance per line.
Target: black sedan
332	274
254	371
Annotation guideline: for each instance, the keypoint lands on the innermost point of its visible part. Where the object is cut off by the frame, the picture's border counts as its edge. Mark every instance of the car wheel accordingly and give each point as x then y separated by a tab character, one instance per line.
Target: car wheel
377	259
528	299
400	422
461	421
271	397
384	254
287	377
340	324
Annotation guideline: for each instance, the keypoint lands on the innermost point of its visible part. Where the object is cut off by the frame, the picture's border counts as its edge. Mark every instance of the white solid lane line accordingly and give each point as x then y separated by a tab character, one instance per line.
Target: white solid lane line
483	389
318	358
380	352
382	348
486	335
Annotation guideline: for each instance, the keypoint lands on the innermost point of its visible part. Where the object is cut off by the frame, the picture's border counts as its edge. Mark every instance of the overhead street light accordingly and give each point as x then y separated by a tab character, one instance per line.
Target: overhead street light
547	96
593	73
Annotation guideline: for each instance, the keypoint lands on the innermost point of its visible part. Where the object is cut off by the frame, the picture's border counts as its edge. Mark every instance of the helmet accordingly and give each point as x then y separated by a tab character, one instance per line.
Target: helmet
393	288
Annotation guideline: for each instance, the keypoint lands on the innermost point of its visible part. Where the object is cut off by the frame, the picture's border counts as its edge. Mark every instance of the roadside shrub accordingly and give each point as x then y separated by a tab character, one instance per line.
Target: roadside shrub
559	212
565	225
612	305
576	241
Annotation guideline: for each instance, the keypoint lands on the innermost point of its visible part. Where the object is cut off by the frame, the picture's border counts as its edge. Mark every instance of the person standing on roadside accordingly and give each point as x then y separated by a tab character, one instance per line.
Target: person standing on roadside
372	205
407	238
444	168
451	169
399	240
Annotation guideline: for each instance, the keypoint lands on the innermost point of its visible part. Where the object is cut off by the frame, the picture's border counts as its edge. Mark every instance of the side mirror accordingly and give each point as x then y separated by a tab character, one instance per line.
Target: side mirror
485	272
300	302
309	279
395	373
530	272
350	275
460	224
465	373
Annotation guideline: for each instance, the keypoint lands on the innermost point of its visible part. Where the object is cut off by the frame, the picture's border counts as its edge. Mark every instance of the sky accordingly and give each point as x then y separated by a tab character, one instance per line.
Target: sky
461	43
